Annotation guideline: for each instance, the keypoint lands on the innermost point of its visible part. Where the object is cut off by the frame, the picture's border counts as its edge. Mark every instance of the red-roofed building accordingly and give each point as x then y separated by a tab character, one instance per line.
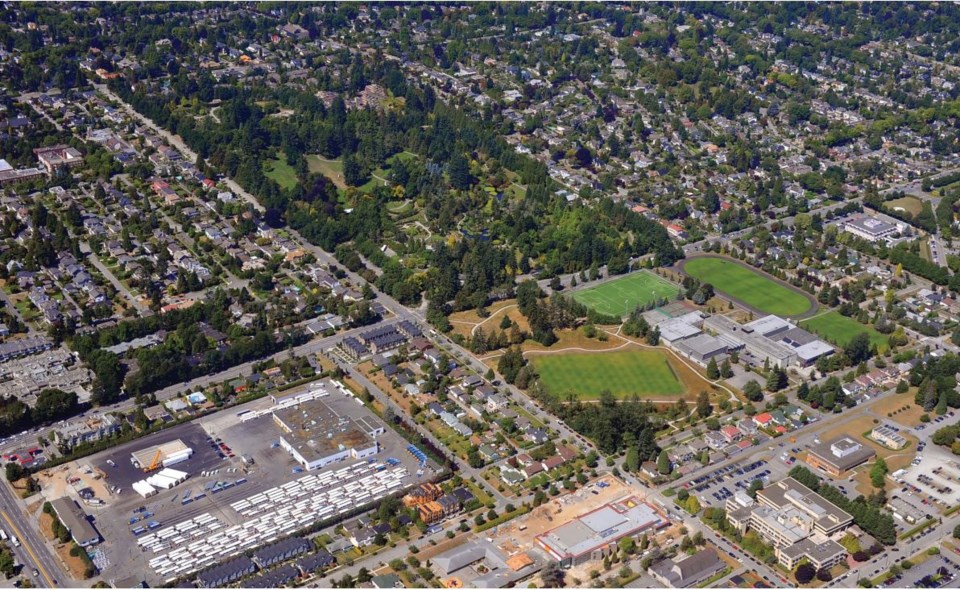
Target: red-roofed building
744	444
208	183
763	420
731	433
781	429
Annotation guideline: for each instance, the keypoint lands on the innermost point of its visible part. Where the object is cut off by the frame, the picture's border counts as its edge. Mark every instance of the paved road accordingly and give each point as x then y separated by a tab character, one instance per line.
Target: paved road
178	143
33	552
120	287
466	471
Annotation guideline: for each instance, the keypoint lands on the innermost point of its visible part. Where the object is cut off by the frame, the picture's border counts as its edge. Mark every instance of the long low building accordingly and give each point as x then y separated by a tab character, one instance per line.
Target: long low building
75	519
595	534
770	339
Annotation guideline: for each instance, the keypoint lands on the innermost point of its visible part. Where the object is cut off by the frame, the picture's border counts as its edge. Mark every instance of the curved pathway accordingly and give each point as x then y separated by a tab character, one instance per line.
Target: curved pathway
814	304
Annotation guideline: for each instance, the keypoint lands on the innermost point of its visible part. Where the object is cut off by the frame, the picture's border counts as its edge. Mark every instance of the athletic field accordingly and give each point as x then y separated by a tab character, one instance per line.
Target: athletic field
643	372
839	330
621	296
749	286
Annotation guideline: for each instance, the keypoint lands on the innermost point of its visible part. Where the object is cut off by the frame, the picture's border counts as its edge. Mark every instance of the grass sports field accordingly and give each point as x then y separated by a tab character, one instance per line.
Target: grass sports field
623	295
644	372
748	286
839	329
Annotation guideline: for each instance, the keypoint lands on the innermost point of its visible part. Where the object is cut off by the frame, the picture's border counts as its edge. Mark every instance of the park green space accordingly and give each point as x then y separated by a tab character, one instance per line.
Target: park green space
838	329
332	169
910	204
280	172
620	296
646	373
747	285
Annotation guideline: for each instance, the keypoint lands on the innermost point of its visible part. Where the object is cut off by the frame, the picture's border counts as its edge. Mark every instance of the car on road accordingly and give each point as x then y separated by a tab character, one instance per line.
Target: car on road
35	572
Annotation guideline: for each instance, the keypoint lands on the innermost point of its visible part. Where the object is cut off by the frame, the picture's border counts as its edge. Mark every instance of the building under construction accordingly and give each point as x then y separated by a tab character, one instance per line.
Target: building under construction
164	455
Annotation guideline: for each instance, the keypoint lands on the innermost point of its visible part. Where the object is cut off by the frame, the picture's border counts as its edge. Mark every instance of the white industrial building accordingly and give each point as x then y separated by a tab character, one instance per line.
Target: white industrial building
316	436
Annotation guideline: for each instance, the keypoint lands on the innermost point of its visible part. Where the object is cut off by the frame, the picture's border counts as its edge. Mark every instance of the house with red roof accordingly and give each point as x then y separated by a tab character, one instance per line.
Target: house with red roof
731	433
763	420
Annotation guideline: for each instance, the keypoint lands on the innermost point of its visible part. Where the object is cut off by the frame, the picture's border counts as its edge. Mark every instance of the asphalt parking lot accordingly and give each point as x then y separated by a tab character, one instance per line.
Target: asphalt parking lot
715	487
272	467
936	572
123	474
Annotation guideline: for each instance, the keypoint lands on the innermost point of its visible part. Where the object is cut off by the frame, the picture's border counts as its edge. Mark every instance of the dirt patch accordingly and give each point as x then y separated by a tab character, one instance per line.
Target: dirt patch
464	322
900	408
75	565
45	523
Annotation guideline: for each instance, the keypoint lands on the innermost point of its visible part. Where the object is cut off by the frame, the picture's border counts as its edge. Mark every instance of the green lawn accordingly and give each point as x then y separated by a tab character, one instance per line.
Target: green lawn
839	329
281	173
620	296
332	169
643	372
747	285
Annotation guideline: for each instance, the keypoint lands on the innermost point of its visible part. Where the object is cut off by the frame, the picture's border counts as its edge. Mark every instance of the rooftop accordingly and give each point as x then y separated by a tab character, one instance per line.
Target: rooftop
315	430
604	525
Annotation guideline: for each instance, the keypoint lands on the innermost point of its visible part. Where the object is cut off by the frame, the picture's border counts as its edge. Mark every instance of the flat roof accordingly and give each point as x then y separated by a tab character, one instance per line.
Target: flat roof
871	225
768	325
705	344
316	431
789	491
677	329
604	525
146	456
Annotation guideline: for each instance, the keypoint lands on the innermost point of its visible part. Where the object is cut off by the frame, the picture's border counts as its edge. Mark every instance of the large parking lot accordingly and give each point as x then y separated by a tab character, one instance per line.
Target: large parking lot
713	488
934	477
936	572
217	478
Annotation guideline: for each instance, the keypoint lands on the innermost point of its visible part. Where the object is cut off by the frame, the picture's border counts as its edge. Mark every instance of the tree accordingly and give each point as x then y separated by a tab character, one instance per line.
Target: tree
878	473
632	461
15	471
704	408
663	463
713	371
726	371
805	573
459	171
858	349
553	575
824	575
776	379
752	391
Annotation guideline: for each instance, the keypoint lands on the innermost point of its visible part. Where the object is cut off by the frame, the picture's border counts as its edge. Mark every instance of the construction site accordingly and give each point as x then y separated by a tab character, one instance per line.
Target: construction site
518	549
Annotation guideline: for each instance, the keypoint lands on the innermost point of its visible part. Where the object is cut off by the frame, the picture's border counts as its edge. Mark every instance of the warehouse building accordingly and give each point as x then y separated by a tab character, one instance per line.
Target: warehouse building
75	519
164	455
595	534
316	436
839	456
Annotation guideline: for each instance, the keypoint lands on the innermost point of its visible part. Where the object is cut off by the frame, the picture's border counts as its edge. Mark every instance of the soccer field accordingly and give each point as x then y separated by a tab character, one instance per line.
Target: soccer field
838	329
747	285
621	296
646	373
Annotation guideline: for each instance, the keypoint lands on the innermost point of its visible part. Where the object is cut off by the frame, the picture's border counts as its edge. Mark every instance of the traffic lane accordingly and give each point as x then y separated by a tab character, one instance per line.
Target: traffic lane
22	533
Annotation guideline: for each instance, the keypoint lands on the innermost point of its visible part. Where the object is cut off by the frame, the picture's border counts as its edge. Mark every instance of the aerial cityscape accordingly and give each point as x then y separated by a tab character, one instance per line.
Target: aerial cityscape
480	295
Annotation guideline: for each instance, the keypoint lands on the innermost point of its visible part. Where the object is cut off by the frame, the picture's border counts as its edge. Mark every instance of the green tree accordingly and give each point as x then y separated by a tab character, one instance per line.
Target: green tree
726	371
752	391
704	408
713	371
663	463
878	473
632	460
